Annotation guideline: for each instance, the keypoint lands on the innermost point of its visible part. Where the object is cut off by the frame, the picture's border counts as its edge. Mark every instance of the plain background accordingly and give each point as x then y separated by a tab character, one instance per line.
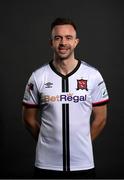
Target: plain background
25	33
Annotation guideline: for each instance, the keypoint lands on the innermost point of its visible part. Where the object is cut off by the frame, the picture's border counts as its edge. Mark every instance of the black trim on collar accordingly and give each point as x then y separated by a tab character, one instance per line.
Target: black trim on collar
61	75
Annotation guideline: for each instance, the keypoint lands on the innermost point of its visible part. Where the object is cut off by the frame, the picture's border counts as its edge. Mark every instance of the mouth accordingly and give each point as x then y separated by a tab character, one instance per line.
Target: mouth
63	50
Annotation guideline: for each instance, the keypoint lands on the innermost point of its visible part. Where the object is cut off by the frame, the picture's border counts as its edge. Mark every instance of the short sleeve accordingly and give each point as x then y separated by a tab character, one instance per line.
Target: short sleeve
30	98
99	92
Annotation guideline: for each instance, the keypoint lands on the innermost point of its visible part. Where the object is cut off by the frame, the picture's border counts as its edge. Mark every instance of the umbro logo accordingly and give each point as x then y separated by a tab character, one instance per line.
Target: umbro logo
48	85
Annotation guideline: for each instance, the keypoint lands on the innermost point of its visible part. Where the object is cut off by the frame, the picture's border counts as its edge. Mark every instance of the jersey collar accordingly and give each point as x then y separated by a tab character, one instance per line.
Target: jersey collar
69	74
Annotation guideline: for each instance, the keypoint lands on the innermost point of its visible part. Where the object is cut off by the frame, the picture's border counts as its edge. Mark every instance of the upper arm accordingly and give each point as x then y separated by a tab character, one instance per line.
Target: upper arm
29	115
99	120
100	113
31	120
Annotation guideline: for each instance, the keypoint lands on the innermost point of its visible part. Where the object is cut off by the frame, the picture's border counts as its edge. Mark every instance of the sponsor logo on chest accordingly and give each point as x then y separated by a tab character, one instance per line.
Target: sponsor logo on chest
69	97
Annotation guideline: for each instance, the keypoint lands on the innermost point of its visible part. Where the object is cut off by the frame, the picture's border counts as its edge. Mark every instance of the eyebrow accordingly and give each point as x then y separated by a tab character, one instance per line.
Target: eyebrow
62	36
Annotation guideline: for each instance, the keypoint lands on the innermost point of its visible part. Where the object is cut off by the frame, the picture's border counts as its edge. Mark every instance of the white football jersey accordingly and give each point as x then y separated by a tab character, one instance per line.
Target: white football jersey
65	104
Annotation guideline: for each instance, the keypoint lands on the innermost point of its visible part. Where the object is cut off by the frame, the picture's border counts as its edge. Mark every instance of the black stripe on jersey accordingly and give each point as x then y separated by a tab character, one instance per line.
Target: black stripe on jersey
66	144
64	137
65	87
65	126
68	135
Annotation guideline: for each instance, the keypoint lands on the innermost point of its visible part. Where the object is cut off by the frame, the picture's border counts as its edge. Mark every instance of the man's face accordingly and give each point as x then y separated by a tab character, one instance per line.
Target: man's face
64	41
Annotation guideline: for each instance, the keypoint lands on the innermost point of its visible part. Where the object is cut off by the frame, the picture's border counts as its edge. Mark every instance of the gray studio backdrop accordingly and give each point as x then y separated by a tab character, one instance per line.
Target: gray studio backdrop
25	47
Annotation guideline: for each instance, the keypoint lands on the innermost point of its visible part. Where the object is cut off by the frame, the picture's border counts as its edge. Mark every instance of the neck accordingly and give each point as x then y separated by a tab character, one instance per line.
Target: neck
65	66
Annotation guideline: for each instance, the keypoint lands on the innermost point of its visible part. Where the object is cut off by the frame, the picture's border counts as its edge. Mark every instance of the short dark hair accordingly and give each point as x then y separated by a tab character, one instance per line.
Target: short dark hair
63	21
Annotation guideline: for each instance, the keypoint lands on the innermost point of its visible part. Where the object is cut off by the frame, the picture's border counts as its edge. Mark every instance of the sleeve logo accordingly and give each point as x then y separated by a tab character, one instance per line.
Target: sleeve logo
104	93
30	87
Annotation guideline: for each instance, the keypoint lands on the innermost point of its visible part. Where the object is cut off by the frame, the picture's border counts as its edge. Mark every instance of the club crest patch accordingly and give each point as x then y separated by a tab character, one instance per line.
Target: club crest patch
82	84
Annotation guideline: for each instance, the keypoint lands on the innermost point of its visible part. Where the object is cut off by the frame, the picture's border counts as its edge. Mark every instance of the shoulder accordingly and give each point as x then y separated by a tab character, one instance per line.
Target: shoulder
41	69
89	68
39	74
92	72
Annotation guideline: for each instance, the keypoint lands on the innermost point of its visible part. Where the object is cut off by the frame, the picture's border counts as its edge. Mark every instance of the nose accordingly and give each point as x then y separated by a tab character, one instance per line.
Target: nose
63	41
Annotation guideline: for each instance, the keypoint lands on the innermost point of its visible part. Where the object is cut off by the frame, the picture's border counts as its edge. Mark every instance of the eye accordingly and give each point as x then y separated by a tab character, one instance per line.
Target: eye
69	37
56	38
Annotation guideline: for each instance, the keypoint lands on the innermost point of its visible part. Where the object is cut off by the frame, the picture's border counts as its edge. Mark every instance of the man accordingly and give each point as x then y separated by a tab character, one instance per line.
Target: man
65	91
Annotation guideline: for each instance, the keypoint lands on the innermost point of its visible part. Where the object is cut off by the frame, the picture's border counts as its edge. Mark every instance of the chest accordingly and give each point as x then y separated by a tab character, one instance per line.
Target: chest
73	89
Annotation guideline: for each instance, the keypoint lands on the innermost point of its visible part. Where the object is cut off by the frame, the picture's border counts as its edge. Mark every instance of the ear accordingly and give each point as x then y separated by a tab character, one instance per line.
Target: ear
51	42
76	41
